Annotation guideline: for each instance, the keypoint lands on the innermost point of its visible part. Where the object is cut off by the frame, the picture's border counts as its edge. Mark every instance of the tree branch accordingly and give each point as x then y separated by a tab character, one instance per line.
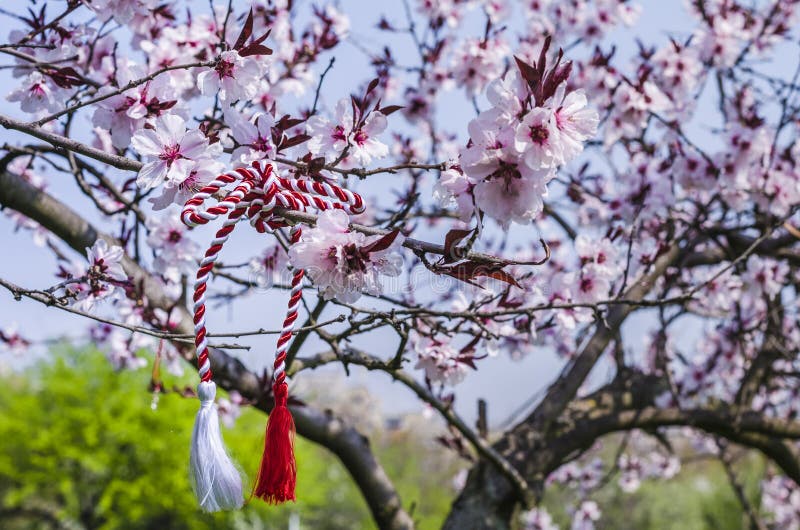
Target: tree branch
321	427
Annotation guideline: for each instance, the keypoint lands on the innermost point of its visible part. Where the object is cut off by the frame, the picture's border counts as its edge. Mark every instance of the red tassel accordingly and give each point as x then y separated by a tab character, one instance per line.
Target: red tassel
278	474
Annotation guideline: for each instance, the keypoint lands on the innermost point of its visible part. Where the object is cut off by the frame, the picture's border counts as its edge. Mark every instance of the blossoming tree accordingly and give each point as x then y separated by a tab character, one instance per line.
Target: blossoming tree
630	204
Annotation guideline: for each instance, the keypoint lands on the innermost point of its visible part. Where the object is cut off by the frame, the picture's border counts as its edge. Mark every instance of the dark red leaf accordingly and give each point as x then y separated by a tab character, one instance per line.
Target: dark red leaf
286	122
503	276
469	348
510	304
247	31
66	77
383	243
373	84
255	49
542	63
389	109
529	74
453	237
296	140
468	360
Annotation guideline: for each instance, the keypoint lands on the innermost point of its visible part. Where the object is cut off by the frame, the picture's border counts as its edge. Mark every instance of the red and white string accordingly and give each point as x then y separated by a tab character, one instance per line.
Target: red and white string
256	194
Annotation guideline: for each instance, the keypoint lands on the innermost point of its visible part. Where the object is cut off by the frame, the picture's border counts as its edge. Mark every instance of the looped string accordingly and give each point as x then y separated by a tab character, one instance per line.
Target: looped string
256	193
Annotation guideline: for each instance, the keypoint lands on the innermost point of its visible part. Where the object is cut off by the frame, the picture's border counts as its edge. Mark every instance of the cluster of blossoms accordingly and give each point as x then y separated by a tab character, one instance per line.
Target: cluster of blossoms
780	498
351	135
344	263
583	518
579	19
442	362
535	126
120	347
477	62
103	277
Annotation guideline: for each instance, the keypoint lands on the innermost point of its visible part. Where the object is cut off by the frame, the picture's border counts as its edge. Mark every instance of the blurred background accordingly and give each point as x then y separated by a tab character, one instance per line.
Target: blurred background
85	447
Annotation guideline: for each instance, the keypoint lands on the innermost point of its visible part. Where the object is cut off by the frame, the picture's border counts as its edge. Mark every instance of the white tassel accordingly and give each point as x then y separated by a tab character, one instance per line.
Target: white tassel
215	479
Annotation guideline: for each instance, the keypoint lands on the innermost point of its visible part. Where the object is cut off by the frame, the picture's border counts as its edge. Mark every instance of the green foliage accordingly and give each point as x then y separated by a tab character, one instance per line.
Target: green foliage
82	448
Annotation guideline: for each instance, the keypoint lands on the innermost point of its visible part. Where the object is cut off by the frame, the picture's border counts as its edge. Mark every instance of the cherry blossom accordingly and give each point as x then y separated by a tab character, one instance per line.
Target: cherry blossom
331	138
780	498
120	347
269	268
454	189
441	362
37	93
586	516
233	77
102	277
342	263
538	141
200	175
123	11
174	152
253	136
476	63
230	408
550	179
514	150
127	113
537	519
176	252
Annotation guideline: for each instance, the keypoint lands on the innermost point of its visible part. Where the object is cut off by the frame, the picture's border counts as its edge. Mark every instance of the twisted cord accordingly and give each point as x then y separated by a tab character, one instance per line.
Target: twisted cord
295	296
258	192
201	283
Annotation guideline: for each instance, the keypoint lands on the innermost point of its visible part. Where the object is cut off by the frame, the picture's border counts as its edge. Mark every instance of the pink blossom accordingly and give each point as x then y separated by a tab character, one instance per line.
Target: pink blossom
513	194
232	78
454	189
122	11
537	519
253	136
342	263
122	115
365	146
449	11
585	516
538	139
202	173
270	267
119	347
440	362
576	123
780	498
174	151
477	62
37	93
330	138
11	340
174	249
103	275
230	408
106	260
